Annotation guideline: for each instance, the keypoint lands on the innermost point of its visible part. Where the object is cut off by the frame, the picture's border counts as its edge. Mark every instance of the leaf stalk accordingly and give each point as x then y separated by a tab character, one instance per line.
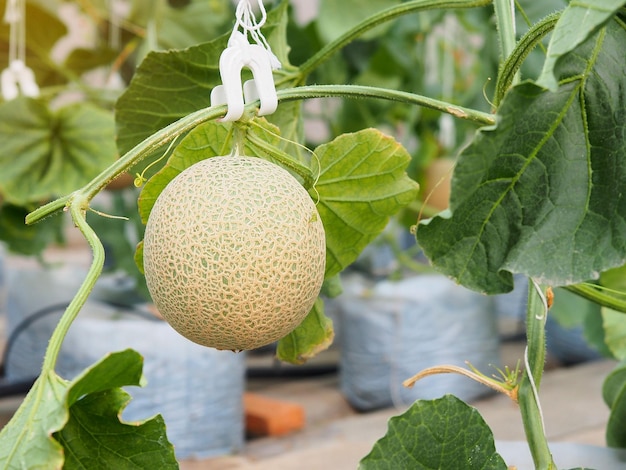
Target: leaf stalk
511	66
596	294
187	123
505	20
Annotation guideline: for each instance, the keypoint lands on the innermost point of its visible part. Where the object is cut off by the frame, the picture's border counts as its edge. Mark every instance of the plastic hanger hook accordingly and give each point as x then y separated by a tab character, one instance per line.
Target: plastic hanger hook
257	57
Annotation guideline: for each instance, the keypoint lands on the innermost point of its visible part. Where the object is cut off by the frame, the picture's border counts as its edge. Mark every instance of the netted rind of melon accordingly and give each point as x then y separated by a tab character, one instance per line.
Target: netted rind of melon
234	253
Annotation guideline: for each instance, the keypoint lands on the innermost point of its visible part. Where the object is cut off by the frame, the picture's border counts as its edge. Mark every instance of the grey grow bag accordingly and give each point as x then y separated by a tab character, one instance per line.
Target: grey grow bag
391	330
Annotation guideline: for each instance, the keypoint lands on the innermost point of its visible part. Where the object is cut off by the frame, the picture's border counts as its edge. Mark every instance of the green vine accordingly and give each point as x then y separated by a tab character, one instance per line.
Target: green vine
600	295
505	21
185	124
77	206
514	61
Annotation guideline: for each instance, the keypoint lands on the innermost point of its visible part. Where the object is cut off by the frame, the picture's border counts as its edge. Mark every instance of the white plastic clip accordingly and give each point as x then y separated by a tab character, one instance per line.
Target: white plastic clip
257	57
17	77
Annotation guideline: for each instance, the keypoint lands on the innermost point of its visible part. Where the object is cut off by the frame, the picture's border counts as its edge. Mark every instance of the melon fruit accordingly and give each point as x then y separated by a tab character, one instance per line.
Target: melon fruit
234	253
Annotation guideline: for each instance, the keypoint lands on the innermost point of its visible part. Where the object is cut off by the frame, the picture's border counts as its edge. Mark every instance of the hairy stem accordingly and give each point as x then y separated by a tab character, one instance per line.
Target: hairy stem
77	207
356	91
510	68
185	124
597	295
528	396
505	19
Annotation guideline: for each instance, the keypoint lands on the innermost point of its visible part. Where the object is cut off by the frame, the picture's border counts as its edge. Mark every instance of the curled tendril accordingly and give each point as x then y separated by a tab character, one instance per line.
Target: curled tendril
140	179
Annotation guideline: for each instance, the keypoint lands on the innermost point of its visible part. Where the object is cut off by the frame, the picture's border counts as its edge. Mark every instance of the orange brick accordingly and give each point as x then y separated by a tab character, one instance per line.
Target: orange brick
270	417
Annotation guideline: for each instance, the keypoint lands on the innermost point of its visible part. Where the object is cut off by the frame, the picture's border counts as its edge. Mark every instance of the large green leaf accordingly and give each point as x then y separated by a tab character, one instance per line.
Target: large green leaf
541	192
44	429
47	153
312	336
170	85
577	23
94	437
614	394
442	433
362	183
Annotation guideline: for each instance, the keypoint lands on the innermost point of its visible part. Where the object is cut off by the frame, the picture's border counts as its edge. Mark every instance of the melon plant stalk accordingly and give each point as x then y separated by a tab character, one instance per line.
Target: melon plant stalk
238	247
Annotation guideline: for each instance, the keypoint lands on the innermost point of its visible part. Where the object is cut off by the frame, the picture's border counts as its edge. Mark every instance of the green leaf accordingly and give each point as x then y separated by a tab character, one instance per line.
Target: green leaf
114	370
441	433
48	153
540	192
362	183
94	438
170	85
614	394
313	335
26	441
27	239
578	22
332	287
288	118
54	407
139	256
165	87
614	384
614	322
